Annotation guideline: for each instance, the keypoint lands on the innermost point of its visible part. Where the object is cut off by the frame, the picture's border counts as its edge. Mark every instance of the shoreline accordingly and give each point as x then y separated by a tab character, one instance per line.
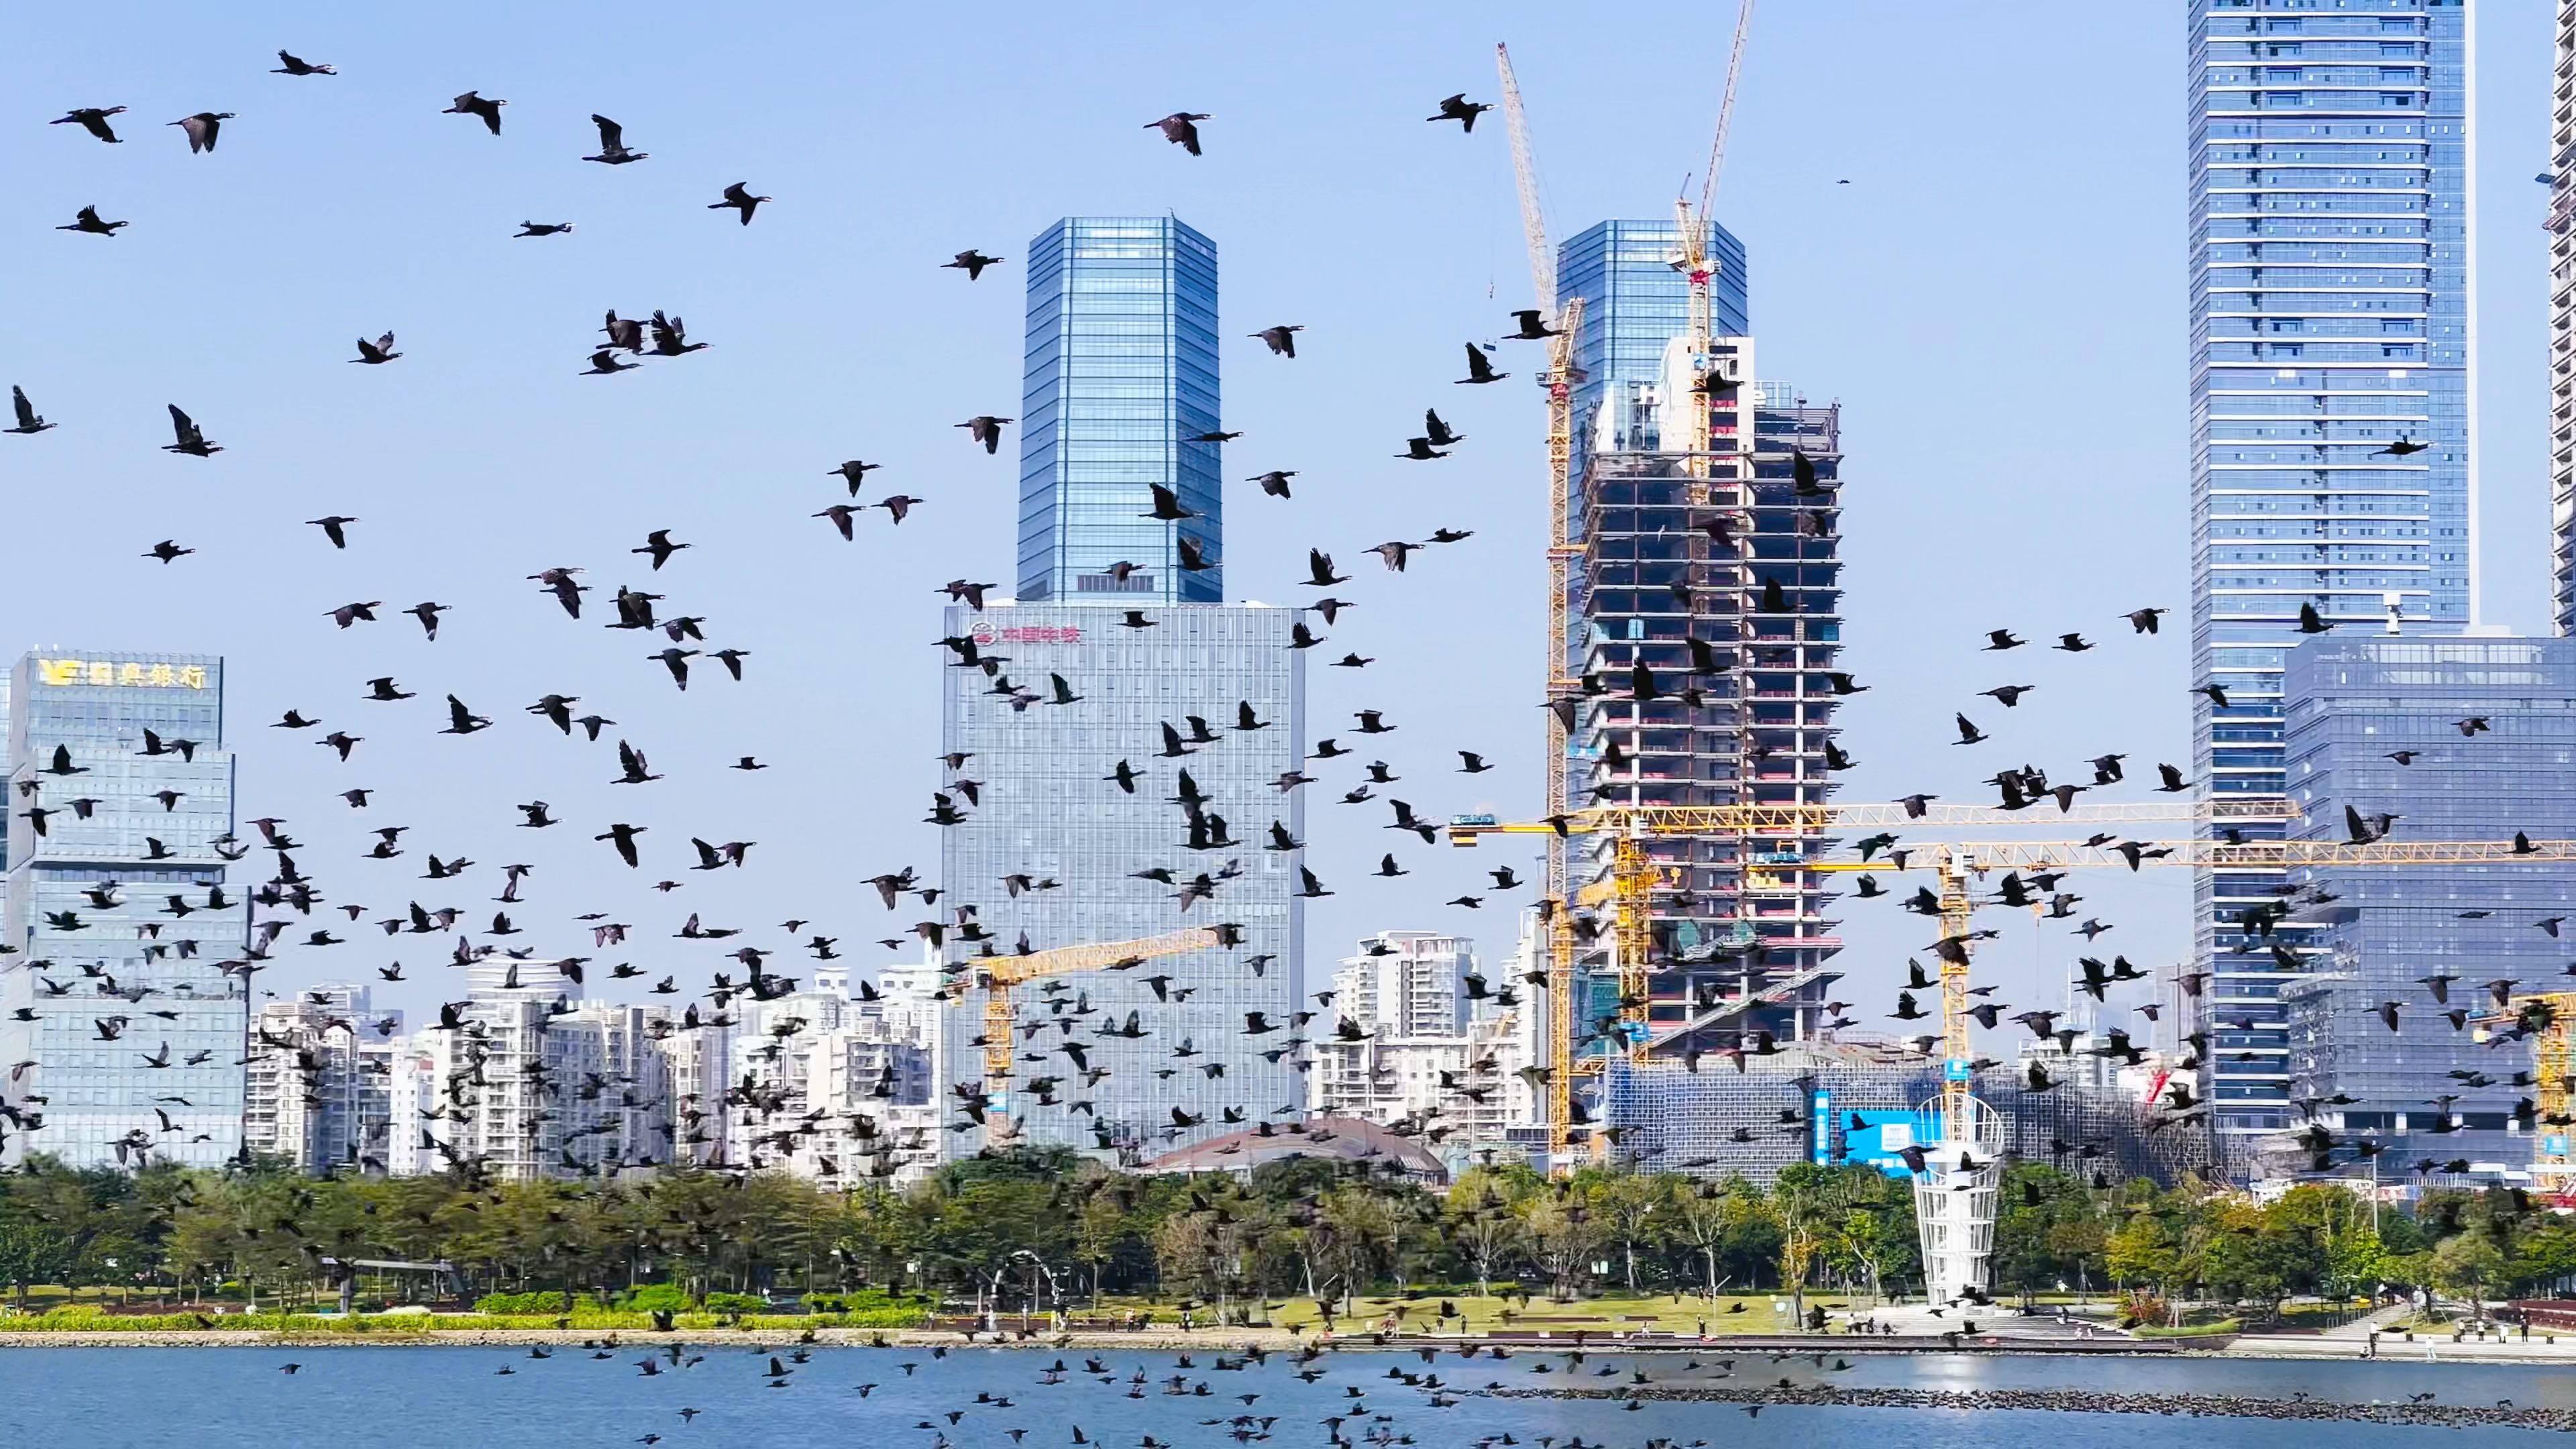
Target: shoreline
1280	1341
2083	1401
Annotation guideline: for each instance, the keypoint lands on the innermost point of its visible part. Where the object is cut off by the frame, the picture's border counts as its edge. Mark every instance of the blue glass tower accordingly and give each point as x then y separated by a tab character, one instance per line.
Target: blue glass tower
2330	280
1635	302
1120	375
118	913
2429	1088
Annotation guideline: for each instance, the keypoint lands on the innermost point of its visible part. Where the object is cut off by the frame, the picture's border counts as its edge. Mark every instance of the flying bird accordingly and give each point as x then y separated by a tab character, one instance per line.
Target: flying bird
203	128
87	220
738	196
29	423
612	146
1462	110
192	439
470	104
1181	129
92	119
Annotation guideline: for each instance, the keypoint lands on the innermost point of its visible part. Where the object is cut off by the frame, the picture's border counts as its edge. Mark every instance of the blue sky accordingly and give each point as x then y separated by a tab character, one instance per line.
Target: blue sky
1996	298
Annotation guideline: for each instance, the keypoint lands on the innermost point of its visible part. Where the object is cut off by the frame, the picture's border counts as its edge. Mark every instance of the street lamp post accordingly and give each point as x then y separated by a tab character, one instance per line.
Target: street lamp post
1037	1266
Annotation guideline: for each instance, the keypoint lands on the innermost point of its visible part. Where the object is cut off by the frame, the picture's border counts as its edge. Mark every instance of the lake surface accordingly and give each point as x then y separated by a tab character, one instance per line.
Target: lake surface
429	1398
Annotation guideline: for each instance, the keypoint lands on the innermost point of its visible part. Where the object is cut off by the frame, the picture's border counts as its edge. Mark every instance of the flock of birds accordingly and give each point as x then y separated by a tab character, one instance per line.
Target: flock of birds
290	894
288	901
1372	1409
1241	1393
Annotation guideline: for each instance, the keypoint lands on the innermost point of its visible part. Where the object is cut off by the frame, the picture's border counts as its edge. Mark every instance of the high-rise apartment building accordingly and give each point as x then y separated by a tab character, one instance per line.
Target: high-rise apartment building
1051	814
2331	390
1408	983
535	1083
2373	726
414	1105
1419	1035
318	1084
1120	376
830	1087
127	990
701	1067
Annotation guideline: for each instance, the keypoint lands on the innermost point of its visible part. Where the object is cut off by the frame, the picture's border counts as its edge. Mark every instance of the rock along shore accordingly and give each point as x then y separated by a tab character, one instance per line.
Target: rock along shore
2083	1401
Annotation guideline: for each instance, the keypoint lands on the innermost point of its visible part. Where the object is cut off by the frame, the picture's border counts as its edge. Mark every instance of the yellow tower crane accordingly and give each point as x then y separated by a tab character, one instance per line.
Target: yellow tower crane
2547	1019
995	976
1955	1197
1629	885
1559	380
1691	227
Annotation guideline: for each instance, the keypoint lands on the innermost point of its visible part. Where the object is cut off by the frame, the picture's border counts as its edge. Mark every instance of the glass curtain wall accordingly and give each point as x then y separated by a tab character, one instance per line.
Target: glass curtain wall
2329	285
1120	376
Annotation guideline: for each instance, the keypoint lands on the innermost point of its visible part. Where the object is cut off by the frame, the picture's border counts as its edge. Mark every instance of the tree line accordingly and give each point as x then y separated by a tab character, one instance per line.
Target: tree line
1050	1230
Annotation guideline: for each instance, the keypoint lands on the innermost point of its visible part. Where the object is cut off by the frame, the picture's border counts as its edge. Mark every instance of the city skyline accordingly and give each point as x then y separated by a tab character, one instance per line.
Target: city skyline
1464	689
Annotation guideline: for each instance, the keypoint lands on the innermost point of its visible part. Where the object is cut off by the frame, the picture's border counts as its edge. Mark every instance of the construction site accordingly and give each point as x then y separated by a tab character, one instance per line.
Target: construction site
1686	985
1694	665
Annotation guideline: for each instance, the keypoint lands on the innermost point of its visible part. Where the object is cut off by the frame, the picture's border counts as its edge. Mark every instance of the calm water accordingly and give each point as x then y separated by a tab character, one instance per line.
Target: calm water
428	1398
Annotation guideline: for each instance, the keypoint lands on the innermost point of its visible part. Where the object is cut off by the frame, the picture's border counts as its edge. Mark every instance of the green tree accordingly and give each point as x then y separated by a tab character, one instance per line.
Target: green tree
1563	1235
2465	1264
1707	1217
1630	1207
1810	1201
2545	1253
1877	1238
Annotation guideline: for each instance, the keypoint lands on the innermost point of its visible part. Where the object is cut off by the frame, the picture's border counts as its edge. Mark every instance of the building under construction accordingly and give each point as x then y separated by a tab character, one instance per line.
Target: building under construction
1704	629
1694	633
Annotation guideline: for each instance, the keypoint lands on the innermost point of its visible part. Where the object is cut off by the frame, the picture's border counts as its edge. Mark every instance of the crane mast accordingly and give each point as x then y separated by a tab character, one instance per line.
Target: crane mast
1691	227
1542	259
1558	380
2546	1019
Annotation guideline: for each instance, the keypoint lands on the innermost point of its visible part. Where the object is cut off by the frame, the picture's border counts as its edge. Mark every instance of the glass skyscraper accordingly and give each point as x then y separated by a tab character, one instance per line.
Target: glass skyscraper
1051	814
1633	303
1051	851
2330	387
119	914
2353	704
1120	374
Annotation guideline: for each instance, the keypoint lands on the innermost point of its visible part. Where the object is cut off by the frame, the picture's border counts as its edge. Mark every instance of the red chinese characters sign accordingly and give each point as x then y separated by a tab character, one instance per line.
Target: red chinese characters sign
988	635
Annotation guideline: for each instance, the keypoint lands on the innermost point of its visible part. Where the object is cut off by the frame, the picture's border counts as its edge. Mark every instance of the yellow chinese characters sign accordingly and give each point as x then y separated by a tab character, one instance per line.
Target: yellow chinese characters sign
65	672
